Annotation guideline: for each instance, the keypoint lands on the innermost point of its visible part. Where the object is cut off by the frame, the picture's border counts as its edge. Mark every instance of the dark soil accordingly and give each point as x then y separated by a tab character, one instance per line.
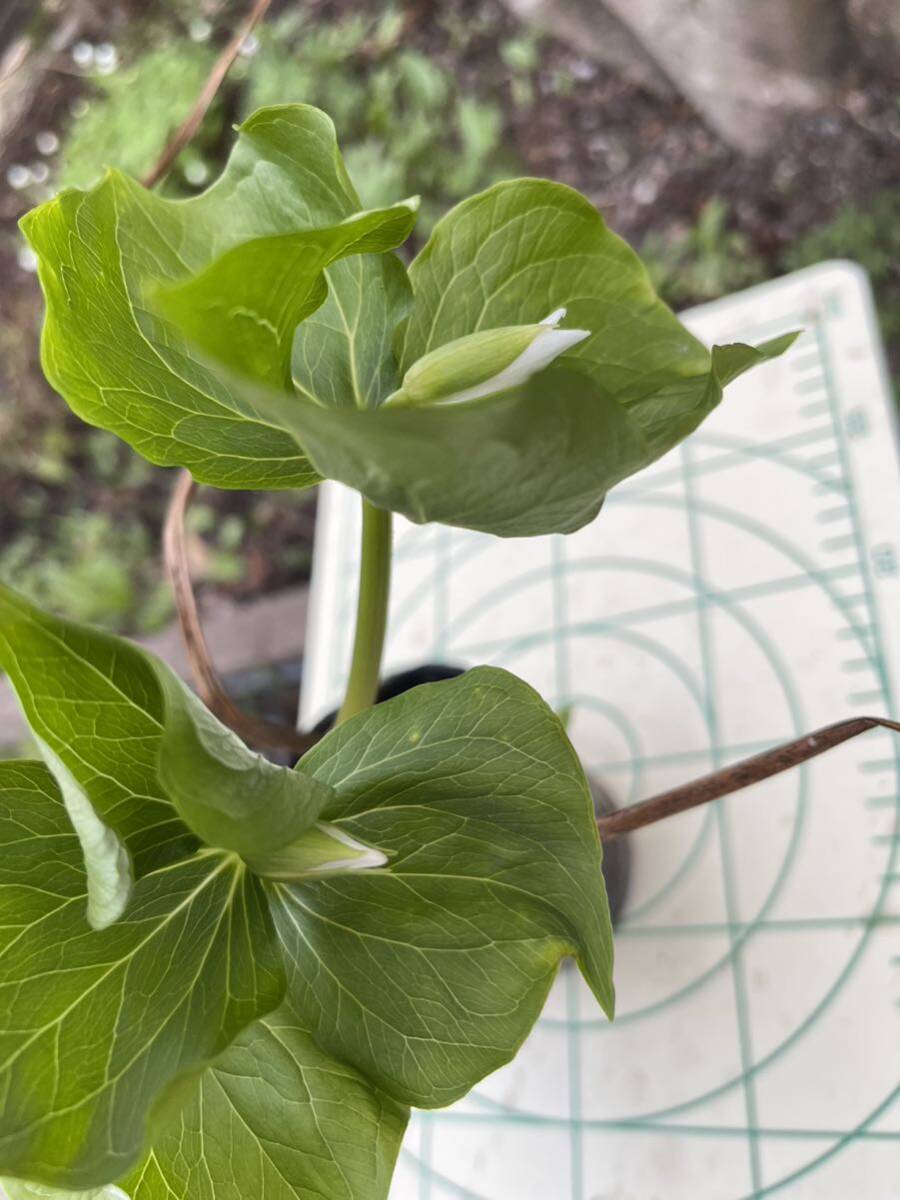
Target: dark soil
646	162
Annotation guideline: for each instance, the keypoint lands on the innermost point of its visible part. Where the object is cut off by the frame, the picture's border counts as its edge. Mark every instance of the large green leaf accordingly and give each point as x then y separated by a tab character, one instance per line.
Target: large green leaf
529	455
535	460
429	974
100	1030
276	1119
121	366
144	768
512	254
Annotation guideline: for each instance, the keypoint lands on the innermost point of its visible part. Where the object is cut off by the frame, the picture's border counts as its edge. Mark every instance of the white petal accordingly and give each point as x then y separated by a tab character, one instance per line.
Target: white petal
554	318
548	344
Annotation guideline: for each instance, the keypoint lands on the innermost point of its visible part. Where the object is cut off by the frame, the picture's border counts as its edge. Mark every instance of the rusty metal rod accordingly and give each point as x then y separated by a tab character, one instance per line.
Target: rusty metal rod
736	776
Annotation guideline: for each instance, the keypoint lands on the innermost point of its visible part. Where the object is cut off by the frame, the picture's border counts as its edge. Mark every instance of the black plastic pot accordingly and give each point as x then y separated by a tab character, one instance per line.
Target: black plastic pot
616	854
396	685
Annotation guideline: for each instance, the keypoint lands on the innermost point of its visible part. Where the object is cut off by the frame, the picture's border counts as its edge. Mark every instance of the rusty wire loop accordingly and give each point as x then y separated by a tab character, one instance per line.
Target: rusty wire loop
265	734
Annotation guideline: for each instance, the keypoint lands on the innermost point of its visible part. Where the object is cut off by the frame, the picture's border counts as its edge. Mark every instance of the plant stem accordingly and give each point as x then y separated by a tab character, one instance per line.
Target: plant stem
371	611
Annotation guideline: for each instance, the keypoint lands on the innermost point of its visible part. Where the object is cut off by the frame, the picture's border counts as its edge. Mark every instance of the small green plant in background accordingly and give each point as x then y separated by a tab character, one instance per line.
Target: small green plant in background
869	235
706	260
258	970
702	261
97	568
521	56
132	113
407	125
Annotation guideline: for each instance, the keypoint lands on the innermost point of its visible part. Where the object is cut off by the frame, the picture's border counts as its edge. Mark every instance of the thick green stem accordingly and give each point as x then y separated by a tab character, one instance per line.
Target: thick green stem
371	611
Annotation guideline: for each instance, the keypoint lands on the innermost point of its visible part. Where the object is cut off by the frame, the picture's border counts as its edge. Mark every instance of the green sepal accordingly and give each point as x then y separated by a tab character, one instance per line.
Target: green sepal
485	364
229	796
323	850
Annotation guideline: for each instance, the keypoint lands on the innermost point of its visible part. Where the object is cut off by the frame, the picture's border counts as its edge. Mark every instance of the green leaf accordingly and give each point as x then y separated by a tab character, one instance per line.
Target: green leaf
428	974
729	362
521	456
343	354
101	1029
535	460
243	310
120	366
108	867
276	1119
675	412
229	796
525	247
97	713
144	768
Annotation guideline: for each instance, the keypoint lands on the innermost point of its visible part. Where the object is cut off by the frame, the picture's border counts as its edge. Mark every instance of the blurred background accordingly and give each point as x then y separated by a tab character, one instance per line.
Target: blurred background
729	142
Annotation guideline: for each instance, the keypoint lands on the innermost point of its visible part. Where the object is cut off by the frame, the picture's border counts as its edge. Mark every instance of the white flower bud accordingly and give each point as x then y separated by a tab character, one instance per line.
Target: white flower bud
486	363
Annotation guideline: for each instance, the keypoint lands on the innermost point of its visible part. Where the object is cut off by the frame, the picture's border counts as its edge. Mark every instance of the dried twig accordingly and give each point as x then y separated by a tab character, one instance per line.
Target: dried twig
260	733
207	94
738	775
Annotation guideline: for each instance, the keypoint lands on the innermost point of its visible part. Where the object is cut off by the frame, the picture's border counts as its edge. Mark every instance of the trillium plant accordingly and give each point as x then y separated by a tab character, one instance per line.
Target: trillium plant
225	978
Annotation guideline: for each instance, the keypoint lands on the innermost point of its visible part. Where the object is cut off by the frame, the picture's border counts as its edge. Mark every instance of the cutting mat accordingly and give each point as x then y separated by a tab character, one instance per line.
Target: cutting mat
744	589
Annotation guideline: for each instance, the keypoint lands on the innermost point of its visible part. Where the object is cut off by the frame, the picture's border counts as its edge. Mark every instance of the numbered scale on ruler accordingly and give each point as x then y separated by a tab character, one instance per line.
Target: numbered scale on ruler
742	591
